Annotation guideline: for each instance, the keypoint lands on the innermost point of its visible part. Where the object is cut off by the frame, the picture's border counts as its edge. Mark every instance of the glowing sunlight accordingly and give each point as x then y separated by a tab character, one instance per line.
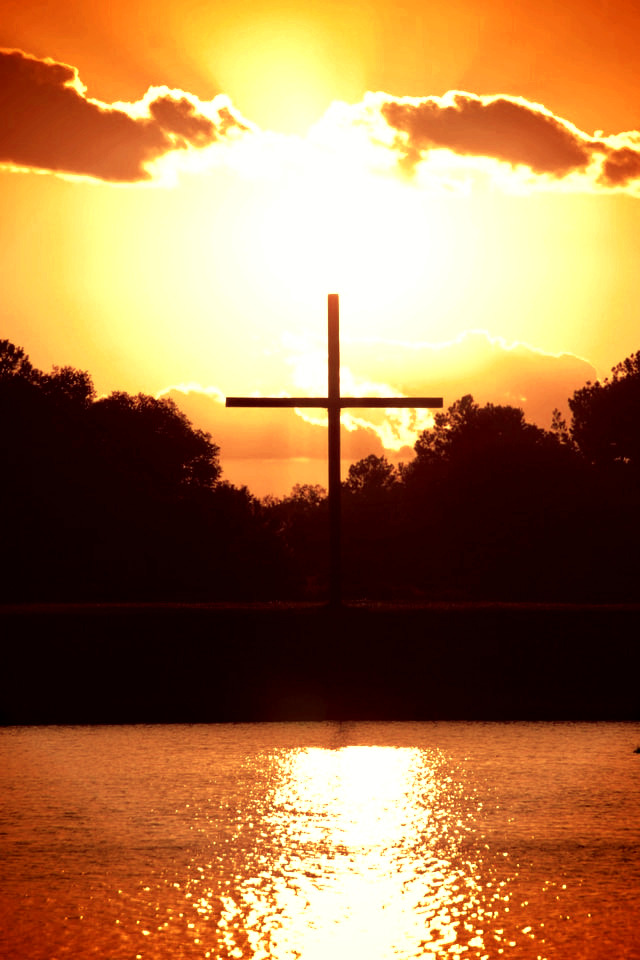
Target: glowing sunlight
375	864
371	237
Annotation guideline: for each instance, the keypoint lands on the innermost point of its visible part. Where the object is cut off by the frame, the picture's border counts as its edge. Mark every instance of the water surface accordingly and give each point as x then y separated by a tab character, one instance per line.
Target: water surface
320	841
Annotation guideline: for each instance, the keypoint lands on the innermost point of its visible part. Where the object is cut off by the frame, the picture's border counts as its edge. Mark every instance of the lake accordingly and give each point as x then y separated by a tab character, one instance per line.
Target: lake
320	841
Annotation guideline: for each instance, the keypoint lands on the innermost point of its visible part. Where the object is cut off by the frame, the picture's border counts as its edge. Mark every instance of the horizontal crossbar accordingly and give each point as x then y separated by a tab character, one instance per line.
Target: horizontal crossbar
411	403
384	402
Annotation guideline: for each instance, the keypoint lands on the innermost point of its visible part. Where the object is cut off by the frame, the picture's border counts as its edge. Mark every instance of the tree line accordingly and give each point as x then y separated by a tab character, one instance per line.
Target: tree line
118	498
121	498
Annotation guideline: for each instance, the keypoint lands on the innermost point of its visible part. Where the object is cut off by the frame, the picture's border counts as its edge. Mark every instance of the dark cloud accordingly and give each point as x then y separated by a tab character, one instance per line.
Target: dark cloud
48	123
180	116
620	167
227	120
504	128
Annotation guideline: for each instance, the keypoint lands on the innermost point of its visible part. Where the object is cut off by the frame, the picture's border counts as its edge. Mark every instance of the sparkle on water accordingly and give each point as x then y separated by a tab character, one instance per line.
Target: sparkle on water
320	842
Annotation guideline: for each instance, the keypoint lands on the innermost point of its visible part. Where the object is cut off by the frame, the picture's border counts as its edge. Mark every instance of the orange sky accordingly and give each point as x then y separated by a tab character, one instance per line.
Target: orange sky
182	186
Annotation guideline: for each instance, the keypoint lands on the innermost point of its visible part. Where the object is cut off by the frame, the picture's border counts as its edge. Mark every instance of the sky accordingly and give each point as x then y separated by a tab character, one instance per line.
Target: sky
182	185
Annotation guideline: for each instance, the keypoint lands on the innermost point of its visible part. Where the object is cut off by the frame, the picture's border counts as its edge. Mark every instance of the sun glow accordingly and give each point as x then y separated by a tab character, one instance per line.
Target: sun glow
242	246
326	225
280	62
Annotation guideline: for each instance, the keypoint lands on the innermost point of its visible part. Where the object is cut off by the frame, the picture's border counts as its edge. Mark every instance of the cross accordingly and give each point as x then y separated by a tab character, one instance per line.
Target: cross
334	403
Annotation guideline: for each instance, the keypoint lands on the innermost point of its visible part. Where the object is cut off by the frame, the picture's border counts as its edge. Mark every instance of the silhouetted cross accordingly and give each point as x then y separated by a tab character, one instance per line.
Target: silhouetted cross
334	403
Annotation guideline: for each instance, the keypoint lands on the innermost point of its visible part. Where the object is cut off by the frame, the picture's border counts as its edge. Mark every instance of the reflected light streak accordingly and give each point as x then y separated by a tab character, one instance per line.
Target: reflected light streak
359	855
217	844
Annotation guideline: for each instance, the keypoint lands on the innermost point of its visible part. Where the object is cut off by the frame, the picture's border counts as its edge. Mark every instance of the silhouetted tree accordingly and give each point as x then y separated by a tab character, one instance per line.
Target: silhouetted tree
119	498
14	362
605	427
299	521
68	386
606	417
370	506
370	476
468	433
155	442
560	428
42	485
486	496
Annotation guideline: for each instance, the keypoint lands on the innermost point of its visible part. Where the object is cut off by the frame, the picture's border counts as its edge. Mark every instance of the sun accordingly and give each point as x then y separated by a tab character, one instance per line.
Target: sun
371	237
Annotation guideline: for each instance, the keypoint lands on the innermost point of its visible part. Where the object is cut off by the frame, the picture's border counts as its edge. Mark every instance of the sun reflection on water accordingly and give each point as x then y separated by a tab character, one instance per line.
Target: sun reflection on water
359	854
294	843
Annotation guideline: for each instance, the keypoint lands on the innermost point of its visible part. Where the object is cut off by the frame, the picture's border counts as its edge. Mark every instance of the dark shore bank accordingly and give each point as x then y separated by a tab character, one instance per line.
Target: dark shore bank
168	663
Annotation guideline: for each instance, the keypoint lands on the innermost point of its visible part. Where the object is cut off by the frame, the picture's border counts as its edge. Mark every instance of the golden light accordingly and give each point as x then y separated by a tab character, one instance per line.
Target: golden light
284	63
330	221
246	243
358	855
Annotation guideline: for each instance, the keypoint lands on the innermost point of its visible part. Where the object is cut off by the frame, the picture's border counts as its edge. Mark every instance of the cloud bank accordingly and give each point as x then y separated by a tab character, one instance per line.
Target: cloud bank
249	433
508	129
544	149
487	367
47	122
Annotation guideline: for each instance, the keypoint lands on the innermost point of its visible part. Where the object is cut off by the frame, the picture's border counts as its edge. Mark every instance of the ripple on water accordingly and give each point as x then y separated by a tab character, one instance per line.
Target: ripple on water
320	841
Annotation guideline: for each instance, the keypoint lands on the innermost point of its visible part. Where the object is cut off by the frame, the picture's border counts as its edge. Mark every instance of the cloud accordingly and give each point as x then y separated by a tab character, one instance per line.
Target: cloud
487	367
621	166
249	433
48	123
271	450
543	149
490	368
506	128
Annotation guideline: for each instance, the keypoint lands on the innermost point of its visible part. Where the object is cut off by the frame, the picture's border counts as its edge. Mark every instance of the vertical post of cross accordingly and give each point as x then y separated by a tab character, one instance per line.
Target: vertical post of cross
334	404
333	395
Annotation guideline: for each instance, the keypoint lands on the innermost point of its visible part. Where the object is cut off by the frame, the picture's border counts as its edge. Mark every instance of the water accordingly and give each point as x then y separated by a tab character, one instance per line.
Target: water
320	841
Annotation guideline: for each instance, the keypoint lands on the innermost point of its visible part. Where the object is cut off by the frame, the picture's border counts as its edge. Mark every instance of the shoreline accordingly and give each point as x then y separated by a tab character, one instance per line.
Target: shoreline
235	662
